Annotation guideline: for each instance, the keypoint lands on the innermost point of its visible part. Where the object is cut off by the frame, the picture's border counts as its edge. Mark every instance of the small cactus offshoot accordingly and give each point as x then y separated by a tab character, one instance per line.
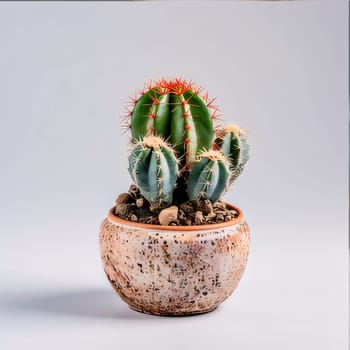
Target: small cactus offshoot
178	145
209	177
153	166
234	145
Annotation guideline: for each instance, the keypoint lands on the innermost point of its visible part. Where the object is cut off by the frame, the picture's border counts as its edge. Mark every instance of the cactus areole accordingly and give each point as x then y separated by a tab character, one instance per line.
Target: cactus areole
180	153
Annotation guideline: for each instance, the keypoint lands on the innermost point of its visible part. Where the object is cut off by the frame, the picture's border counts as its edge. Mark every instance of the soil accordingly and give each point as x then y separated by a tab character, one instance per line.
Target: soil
132	206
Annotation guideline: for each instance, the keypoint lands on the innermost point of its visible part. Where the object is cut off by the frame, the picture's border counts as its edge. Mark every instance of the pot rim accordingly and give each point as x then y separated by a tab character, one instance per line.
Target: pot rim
208	227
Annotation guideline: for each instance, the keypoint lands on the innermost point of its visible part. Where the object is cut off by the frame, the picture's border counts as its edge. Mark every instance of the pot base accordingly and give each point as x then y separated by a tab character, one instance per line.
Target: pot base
173	314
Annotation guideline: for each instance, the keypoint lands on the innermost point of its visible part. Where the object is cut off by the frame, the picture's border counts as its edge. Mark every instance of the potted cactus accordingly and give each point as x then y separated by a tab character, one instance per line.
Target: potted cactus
170	246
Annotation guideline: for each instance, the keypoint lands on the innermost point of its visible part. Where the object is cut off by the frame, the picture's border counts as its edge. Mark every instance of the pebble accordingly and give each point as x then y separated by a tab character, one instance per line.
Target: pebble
121	209
234	213
208	207
186	208
134	191
182	217
198	217
134	218
150	220
168	215
220	205
228	218
220	217
123	198
210	216
205	206
139	202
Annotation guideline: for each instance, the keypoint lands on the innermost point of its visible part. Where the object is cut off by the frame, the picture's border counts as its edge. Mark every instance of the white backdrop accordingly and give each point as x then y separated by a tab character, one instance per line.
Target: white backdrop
279	69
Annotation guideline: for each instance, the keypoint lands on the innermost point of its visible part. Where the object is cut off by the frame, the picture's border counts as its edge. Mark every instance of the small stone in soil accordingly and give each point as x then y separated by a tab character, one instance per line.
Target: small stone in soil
134	218
198	217
122	209
228	218
151	220
208	207
123	198
234	213
134	191
219	205
168	215
182	217
210	216
204	206
220	217
139	202
186	207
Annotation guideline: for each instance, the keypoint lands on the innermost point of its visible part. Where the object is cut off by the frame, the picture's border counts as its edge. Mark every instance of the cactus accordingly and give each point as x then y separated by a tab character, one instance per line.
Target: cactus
233	143
208	178
176	145
176	111
153	167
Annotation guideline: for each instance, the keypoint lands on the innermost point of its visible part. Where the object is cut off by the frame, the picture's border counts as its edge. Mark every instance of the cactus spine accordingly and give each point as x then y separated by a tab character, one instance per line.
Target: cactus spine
153	167
208	178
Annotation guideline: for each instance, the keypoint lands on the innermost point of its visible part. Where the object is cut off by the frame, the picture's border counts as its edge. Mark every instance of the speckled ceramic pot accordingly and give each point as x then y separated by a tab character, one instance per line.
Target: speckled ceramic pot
174	270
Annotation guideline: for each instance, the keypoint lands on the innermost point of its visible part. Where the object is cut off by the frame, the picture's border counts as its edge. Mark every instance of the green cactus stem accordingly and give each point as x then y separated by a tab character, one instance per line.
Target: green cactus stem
209	177
233	143
153	167
176	111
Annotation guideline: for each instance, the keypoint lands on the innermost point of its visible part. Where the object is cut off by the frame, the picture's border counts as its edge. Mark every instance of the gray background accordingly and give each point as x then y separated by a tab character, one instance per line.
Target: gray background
278	69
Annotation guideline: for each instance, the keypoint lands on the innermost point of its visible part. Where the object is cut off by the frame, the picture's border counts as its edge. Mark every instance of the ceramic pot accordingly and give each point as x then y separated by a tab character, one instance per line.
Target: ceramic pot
174	270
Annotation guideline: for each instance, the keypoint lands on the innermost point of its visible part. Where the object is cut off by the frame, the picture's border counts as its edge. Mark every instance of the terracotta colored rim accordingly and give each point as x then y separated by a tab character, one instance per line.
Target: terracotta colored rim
117	220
